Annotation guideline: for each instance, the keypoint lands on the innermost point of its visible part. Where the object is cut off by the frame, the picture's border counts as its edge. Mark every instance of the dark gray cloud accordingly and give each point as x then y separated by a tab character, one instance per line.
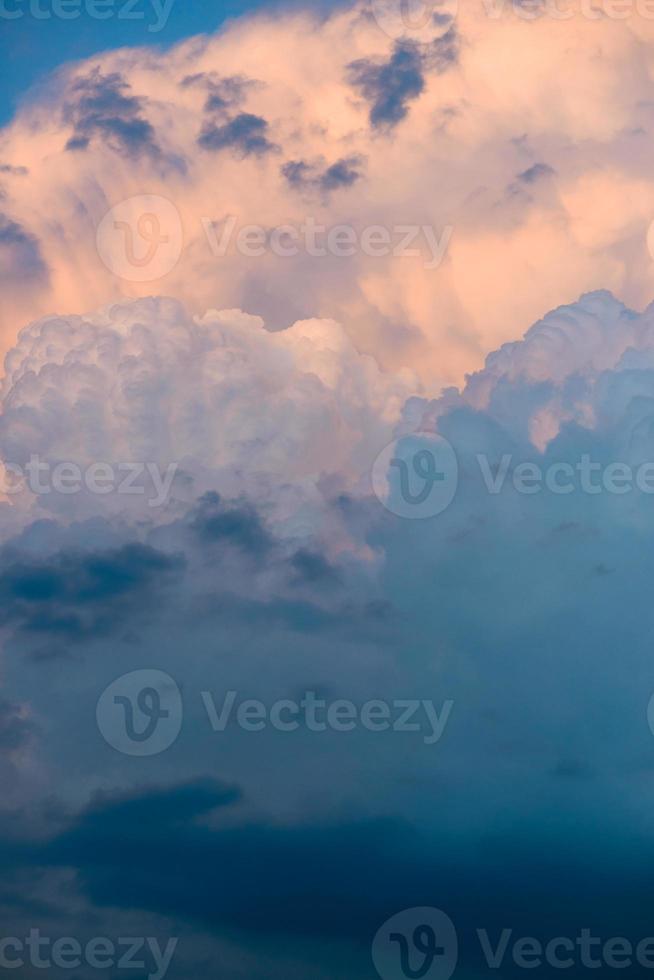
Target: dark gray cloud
20	254
102	106
347	621
150	850
310	567
74	595
322	178
214	522
223	92
16	729
245	134
535	173
224	127
443	52
159	851
389	87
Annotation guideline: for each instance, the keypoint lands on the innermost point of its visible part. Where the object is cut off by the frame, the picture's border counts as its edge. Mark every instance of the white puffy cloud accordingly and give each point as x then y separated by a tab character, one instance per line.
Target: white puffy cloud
582	374
215	401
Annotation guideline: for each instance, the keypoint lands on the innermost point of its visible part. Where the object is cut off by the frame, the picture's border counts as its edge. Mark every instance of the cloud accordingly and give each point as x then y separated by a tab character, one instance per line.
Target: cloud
311	566
271	569
71	596
153	391
244	588
391	86
239	525
284	82
100	105
535	173
246	134
16	728
20	255
162	850
273	878
323	178
223	93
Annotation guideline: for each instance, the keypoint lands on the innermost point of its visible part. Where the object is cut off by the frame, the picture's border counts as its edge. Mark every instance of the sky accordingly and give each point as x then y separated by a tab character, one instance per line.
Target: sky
31	47
326	481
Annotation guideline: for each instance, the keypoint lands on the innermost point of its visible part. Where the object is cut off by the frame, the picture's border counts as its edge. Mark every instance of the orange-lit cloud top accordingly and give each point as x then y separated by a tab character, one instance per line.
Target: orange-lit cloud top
484	173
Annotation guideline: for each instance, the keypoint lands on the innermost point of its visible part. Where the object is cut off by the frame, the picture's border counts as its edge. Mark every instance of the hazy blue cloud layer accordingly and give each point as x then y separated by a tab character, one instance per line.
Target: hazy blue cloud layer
529	611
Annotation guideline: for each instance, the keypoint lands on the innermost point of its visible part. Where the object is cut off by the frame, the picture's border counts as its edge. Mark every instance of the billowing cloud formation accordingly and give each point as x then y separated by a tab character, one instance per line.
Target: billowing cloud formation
469	218
257	559
179	406
510	603
581	373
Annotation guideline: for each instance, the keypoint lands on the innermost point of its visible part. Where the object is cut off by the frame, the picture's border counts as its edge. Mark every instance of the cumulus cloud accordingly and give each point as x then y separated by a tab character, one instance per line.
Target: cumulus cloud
270	568
510	604
191	405
457	141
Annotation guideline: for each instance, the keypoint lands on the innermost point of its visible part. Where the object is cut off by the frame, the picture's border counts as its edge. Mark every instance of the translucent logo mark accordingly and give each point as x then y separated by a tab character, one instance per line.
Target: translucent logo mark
141	713
416	476
421	21
419	943
141	238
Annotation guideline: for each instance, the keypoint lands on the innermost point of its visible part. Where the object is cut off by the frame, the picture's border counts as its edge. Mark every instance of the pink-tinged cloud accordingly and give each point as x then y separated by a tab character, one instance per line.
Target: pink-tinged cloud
517	150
